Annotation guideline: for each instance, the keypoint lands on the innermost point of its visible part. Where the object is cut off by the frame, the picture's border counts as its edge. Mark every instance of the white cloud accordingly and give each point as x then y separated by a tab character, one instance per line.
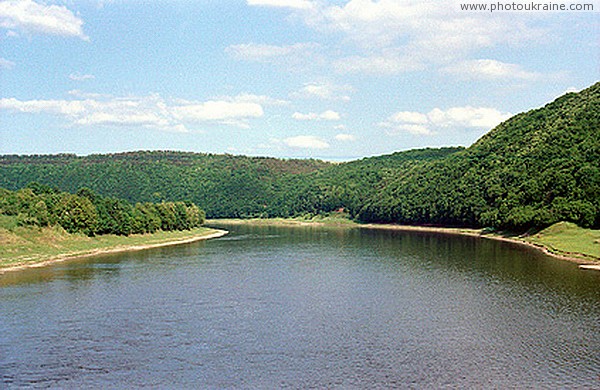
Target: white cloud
145	111
440	23
6	64
413	129
481	117
437	119
33	18
306	142
384	63
398	36
255	52
258	99
410	117
88	95
490	69
81	77
217	110
345	137
311	116
325	91
330	116
296	4
380	22
148	111
63	107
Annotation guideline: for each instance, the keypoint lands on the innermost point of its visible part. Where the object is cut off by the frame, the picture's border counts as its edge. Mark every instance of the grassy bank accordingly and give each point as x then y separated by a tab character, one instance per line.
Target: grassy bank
564	240
570	240
27	246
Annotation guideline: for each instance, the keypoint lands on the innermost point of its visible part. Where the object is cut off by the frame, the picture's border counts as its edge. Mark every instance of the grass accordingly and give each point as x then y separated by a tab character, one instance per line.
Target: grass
568	239
23	245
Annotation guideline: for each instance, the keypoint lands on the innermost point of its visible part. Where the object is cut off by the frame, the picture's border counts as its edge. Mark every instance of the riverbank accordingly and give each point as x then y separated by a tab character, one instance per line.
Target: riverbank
26	247
315	221
564	240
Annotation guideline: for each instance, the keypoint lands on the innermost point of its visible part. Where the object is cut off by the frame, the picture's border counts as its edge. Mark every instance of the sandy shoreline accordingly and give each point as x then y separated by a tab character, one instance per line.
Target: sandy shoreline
119	249
591	264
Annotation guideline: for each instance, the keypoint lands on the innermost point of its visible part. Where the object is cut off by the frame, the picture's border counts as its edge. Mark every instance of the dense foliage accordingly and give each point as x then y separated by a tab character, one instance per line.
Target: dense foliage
224	185
89	213
535	169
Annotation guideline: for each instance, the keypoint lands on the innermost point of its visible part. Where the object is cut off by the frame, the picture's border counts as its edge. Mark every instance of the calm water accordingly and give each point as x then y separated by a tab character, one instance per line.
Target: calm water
271	307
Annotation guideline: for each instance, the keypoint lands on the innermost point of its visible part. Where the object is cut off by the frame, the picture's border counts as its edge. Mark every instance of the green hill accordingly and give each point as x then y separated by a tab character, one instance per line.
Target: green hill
535	169
225	185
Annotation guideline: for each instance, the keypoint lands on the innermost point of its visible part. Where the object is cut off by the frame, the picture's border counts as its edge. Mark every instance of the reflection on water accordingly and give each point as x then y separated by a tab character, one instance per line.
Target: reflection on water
303	307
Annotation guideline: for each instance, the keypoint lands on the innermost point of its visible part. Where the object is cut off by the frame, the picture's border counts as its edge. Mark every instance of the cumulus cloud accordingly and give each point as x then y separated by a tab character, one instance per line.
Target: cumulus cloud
312	116
398	36
410	117
430	123
256	52
34	18
325	91
140	111
217	110
345	137
306	142
64	107
487	69
440	24
481	117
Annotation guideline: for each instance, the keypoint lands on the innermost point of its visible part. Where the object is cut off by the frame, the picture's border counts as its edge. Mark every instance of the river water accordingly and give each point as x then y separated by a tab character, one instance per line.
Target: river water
305	307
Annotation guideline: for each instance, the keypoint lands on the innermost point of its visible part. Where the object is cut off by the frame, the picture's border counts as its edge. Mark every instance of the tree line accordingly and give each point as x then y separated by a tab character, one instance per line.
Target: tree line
92	214
533	170
537	168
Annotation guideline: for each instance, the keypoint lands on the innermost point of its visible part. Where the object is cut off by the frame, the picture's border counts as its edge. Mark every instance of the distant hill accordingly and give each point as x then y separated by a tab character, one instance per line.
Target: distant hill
535	169
225	185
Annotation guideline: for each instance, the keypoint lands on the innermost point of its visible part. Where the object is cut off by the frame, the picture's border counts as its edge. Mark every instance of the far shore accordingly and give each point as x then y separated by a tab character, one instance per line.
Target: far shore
212	233
585	261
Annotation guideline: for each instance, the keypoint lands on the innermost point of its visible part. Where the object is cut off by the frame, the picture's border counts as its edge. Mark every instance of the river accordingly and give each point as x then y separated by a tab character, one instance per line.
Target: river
305	307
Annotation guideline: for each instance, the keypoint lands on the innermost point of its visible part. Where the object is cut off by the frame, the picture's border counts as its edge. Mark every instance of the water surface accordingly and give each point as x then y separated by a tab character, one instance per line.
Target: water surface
305	307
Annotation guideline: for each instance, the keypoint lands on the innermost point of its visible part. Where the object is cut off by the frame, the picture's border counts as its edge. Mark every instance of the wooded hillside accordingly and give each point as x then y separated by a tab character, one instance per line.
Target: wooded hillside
535	169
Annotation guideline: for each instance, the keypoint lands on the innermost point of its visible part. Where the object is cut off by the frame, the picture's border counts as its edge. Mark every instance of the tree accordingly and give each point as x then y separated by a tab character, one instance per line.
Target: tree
76	214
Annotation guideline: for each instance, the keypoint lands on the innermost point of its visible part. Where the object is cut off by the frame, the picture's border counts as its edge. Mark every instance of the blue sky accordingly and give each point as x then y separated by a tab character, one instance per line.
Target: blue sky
285	78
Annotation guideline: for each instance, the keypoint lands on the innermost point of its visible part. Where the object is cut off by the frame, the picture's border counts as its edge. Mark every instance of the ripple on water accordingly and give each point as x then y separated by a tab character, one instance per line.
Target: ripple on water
269	308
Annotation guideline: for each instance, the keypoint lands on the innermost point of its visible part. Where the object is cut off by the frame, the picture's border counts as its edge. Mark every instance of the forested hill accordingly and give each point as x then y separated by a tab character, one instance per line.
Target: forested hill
536	168
225	185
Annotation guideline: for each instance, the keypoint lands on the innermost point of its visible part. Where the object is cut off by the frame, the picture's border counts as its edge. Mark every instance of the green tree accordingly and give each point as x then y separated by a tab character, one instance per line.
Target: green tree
76	214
